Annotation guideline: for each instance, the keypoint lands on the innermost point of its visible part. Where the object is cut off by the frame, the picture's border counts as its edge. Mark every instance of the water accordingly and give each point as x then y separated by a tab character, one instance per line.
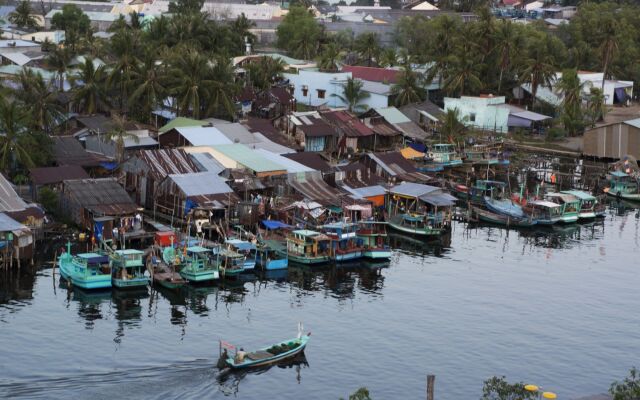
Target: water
555	308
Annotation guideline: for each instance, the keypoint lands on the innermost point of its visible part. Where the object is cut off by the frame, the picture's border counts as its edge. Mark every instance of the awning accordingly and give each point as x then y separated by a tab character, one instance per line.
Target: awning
439	200
269	224
410	153
241	244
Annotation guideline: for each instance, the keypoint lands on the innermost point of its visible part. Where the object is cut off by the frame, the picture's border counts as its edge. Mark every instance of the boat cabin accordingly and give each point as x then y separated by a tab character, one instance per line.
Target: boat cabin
344	241
92	264
544	212
444	154
570	205
246	249
487	188
130	257
621	184
305	242
480	154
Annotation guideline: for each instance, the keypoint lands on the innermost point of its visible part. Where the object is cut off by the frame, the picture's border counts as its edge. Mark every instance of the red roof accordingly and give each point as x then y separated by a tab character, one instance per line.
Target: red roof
348	123
372	74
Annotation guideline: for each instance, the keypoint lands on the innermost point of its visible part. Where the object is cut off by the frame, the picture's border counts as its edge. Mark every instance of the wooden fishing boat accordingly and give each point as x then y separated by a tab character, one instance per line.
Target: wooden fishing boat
623	185
231	263
267	256
504	207
590	207
569	206
444	154
85	270
199	265
544	212
419	209
306	247
247	249
373	235
345	245
269	355
502	219
164	271
127	269
480	154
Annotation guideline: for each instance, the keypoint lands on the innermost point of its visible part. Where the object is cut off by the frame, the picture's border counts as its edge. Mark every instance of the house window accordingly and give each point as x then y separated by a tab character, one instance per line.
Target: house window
305	90
472	117
321	93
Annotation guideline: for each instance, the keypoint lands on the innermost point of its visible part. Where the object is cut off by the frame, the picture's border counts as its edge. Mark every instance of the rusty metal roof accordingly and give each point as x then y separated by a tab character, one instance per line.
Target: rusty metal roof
158	164
69	151
102	196
313	187
49	175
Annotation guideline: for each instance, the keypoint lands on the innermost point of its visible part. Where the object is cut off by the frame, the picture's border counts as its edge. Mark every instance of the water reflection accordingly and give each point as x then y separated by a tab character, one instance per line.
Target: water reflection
229	380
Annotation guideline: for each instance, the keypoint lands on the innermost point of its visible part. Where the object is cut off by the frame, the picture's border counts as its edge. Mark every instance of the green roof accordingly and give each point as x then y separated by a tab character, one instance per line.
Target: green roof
181	122
248	158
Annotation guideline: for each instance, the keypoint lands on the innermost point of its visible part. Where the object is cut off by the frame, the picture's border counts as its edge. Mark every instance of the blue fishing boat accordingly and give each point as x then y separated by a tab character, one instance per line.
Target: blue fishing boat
373	235
623	185
444	154
345	245
85	270
266	356
127	269
306	247
504	207
268	257
502	219
199	265
246	249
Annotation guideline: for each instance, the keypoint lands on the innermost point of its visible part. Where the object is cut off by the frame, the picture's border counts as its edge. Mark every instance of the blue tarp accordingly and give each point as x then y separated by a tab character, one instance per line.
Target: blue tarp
418	147
241	244
275	224
109	165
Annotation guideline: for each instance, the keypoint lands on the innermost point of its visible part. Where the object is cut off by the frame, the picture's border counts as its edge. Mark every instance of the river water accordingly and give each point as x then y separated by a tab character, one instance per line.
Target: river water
558	308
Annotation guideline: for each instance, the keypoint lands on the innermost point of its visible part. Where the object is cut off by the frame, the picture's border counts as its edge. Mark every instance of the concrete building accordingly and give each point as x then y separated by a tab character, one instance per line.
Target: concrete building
614	140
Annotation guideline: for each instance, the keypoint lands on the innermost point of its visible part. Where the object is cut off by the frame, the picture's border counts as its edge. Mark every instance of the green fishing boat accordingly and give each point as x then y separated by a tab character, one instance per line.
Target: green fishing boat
570	206
623	186
199	265
164	270
590	207
307	247
127	269
85	270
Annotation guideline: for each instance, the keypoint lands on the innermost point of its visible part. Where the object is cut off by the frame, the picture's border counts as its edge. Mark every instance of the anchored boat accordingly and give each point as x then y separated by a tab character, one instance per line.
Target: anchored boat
502	219
231	263
590	207
268	257
345	245
544	212
164	271
127	269
623	186
307	247
373	235
247	249
85	270
569	206
200	265
444	154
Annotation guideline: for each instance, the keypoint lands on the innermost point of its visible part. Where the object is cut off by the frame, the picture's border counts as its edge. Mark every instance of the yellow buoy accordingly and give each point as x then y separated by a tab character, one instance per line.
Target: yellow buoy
531	388
549	395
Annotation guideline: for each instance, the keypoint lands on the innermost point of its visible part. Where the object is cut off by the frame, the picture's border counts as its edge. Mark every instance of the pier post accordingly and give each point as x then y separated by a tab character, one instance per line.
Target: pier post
431	379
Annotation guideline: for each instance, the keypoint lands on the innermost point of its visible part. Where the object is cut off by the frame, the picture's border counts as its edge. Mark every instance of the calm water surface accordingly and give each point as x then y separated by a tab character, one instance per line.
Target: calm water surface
556	308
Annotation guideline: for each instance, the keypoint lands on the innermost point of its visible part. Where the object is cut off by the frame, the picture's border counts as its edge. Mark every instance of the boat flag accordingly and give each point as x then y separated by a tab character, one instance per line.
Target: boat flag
227	345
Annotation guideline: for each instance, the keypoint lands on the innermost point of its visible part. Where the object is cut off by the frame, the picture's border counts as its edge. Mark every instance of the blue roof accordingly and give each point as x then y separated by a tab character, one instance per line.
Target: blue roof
275	224
240	244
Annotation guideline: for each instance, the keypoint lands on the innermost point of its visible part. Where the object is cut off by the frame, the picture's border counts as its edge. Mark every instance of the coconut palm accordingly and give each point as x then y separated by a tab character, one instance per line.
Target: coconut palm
409	87
352	95
14	143
538	69
609	45
89	87
148	83
388	57
505	42
329	57
596	105
59	60
452	126
368	47
118	134
264	72
221	89
124	47
22	15
571	88
40	99
464	76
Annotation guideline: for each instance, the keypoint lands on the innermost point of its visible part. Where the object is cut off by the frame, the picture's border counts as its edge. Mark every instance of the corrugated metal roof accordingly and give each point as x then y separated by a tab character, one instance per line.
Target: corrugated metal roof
291	165
206	163
248	158
530	115
269	145
392	115
160	163
48	175
104	196
376	88
200	184
9	199
203	135
367	191
69	151
143	141
413	189
17	58
8	224
311	160
237	133
180	122
313	187
372	74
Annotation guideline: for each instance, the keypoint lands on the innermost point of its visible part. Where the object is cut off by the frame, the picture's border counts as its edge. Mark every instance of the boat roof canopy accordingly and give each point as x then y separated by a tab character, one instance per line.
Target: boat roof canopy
545	203
197	249
619	174
579	194
567	198
270	224
240	244
129	252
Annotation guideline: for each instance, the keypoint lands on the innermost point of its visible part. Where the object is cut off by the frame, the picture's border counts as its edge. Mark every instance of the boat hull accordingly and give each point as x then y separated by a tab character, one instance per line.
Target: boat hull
307	260
272	360
276	264
348	256
377	253
626	196
101	281
130	283
427	231
200	276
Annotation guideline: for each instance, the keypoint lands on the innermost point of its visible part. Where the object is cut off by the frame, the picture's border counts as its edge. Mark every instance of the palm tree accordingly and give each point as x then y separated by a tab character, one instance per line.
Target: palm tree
505	43
118	134
14	146
59	60
222	88
571	88
89	87
124	46
538	69
242	26
452	125
40	99
464	76
609	46
22	17
263	73
148	83
329	57
596	106
352	94
388	58
409	87
368	47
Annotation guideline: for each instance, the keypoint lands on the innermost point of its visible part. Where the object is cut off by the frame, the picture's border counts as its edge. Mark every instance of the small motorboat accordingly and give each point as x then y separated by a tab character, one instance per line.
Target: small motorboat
270	355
